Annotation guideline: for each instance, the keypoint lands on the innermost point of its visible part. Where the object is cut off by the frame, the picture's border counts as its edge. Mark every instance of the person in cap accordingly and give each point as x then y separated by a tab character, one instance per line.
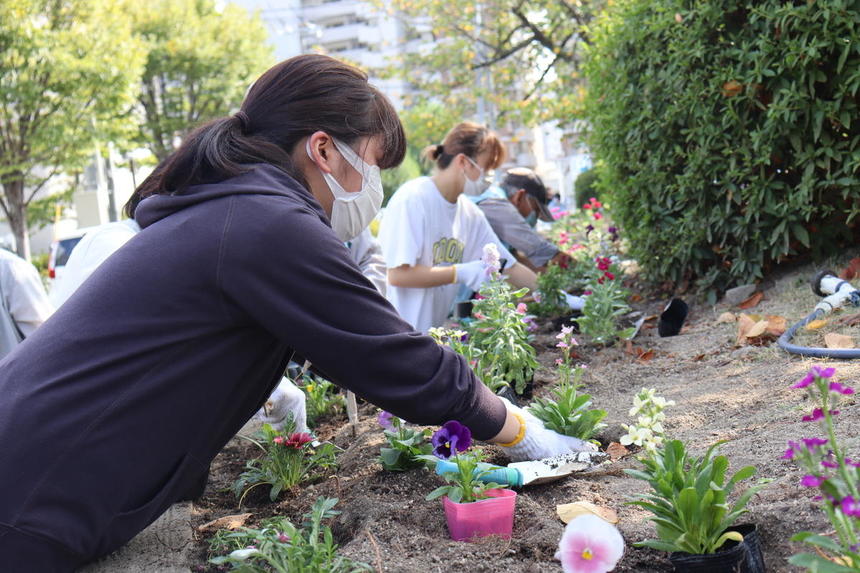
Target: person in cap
513	209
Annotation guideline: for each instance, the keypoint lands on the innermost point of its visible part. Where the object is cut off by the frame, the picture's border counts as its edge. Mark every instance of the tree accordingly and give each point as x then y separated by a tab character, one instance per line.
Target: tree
67	75
200	62
521	57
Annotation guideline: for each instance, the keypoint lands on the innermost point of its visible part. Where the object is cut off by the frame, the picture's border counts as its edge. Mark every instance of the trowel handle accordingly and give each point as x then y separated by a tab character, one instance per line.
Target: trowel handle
498	474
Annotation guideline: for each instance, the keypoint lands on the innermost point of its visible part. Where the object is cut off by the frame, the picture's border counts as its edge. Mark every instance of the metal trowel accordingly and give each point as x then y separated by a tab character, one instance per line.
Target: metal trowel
545	470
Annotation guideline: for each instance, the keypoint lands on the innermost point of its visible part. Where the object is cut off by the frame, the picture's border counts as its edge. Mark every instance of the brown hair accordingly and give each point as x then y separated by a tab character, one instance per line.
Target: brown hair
470	139
290	101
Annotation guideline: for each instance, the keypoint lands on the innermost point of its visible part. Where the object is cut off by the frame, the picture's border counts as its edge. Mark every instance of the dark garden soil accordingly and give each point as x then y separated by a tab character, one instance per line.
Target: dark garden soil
722	392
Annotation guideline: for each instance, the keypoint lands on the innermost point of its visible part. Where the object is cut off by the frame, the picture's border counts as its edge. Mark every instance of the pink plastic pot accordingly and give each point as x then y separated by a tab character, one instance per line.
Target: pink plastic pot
493	516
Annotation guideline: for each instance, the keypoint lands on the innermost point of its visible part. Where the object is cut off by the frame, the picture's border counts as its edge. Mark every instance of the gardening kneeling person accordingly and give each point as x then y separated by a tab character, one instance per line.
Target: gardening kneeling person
116	405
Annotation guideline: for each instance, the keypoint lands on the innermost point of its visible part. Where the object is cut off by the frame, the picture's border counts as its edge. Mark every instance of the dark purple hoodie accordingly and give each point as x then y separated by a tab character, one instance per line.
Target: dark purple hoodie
112	409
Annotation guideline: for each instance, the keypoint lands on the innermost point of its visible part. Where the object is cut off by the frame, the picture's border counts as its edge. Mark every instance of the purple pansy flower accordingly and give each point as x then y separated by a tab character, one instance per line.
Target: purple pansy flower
385	420
452	437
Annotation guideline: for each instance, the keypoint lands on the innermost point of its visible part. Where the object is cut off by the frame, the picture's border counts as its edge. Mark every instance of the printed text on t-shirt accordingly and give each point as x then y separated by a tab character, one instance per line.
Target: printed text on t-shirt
447	250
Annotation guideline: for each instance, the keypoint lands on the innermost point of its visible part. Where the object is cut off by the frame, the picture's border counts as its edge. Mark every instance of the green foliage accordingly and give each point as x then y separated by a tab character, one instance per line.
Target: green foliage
568	412
67	77
482	364
392	179
728	131
501	334
552	284
288	459
323	399
606	303
282	547
405	445
689	499
586	186
521	57
200	60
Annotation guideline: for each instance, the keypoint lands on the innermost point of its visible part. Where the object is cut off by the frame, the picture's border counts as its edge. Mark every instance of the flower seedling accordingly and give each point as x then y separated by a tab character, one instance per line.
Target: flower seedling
606	302
689	499
832	474
282	547
500	332
452	440
323	399
568	412
405	444
288	459
589	545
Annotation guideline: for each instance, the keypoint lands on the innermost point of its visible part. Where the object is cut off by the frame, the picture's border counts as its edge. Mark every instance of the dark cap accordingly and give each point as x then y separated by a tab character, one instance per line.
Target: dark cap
518	178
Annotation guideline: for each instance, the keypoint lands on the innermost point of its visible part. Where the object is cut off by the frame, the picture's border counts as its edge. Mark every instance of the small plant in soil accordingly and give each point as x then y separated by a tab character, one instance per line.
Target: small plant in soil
605	303
552	284
405	444
458	341
568	412
499	330
282	547
451	442
288	459
832	474
689	499
323	399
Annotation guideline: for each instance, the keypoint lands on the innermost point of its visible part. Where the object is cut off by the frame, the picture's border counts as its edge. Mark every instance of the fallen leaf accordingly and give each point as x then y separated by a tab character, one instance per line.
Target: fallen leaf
732	88
745	324
635	297
678	18
776	325
852	270
646	355
567	512
815	324
628	347
752	301
727	317
226	522
616	451
833	340
698	357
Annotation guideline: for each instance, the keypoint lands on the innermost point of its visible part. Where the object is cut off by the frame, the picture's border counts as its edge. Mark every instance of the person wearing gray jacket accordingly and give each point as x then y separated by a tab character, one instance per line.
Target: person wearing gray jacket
513	208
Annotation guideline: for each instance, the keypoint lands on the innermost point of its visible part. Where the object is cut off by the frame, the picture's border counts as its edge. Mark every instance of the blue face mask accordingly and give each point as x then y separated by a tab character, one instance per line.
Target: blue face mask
532	219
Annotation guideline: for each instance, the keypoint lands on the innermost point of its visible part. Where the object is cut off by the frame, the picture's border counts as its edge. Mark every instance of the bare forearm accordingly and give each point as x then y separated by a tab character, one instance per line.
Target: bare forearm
420	276
521	276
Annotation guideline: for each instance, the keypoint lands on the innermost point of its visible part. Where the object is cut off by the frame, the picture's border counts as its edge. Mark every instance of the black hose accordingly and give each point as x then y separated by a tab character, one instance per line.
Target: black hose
785	342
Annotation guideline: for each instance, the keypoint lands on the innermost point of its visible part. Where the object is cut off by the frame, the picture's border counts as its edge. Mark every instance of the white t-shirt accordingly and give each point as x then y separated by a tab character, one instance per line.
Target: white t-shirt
421	227
92	250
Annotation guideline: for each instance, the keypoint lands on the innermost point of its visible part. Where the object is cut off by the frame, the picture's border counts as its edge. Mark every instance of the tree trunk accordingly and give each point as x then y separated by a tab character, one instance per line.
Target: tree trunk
17	214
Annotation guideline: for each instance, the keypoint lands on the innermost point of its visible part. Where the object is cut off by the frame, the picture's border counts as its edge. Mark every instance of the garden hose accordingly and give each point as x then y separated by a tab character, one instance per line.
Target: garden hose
836	293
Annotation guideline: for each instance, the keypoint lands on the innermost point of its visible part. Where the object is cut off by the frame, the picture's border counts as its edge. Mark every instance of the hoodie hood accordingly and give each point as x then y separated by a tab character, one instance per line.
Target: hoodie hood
261	179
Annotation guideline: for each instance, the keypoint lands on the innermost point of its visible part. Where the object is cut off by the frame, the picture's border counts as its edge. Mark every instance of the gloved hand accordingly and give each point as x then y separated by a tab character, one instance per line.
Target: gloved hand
574	302
472	274
285	401
539	442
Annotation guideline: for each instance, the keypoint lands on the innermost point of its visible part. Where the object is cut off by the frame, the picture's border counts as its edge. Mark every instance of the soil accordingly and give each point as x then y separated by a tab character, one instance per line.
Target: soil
722	392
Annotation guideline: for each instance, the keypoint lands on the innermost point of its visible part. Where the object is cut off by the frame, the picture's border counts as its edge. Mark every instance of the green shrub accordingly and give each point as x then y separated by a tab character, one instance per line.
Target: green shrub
585	186
728	131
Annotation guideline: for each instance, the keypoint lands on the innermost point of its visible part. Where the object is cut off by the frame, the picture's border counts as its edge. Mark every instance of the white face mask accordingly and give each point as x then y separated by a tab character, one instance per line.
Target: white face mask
477	186
351	213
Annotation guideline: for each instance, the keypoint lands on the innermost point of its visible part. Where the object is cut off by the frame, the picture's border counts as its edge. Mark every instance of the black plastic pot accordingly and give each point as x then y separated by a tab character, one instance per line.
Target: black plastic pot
568	320
463	309
672	318
733	557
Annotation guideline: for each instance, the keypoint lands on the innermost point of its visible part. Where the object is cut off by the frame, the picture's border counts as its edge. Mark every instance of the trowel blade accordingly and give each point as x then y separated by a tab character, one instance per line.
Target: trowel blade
557	467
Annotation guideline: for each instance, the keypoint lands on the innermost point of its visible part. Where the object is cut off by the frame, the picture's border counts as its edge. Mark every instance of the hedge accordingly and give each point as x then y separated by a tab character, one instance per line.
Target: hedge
729	131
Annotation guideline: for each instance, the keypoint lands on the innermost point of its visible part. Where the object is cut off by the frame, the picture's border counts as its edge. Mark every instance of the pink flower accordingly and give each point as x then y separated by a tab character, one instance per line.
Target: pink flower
850	506
562	345
595	203
586	292
811	481
609	275
814	372
559	361
586	206
840	389
598	216
522	308
576	247
818	414
298	440
829	464
284	538
811	443
589	545
279	440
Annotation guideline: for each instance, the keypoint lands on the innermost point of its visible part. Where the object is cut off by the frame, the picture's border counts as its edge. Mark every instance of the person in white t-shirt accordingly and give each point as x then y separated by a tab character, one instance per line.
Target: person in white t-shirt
432	237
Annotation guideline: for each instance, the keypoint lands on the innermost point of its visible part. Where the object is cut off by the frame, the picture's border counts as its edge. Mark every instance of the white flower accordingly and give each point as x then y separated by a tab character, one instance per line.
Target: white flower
589	545
491	257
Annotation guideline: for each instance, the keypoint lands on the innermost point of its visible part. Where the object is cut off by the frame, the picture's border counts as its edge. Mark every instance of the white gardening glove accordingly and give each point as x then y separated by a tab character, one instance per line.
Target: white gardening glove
540	442
285	401
472	274
574	302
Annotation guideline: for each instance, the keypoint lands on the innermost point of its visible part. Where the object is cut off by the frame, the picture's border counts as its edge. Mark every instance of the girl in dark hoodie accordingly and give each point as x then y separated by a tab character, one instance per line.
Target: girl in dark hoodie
115	406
